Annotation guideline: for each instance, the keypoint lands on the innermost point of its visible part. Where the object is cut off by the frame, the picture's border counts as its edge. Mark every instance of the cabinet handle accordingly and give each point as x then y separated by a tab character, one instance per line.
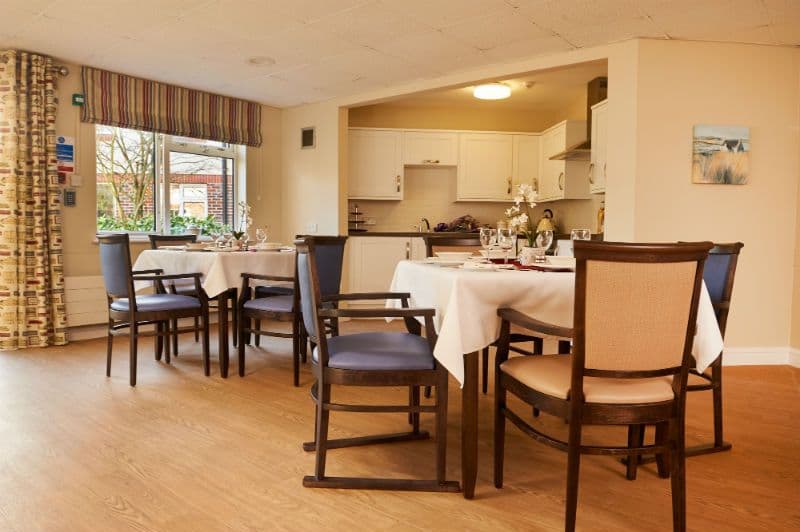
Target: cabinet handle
408	250
430	161
397	180
509	186
591	173
561	181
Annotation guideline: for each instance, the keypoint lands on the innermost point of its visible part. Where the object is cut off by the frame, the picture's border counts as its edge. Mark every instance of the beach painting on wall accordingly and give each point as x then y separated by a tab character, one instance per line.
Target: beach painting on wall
721	155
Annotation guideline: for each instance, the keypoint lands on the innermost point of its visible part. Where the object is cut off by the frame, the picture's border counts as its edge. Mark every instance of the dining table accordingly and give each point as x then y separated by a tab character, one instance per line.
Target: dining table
466	302
221	272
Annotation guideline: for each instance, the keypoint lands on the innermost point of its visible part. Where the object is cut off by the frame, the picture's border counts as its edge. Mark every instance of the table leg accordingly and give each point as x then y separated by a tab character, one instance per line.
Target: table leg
469	425
222	303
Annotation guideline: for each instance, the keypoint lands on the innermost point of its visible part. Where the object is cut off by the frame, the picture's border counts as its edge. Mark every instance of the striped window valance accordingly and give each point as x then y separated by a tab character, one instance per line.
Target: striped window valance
124	101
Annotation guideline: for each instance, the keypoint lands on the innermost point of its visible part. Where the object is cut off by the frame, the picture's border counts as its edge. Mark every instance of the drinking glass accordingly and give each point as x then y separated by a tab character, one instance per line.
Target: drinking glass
581	234
544	240
216	236
261	235
227	235
488	239
505	239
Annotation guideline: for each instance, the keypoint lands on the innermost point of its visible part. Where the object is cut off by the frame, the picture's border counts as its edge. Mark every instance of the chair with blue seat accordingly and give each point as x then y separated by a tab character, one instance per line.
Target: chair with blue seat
261	299
718	276
376	359
126	310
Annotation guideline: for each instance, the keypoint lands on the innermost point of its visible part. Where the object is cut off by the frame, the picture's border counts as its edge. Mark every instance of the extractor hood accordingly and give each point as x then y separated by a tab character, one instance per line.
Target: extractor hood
597	91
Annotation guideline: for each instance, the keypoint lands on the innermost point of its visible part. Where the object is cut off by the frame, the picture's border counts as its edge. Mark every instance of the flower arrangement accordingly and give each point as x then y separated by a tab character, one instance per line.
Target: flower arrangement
519	215
244	220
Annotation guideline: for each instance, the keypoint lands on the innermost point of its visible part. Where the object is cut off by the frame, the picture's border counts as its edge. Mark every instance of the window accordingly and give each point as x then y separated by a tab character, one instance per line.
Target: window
150	182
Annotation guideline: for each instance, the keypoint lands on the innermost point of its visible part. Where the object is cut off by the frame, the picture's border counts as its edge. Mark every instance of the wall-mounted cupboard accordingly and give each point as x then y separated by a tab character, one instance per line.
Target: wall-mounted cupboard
597	167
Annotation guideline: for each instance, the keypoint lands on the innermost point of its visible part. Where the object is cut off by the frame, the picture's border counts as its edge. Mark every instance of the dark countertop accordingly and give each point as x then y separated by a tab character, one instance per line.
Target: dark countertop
409	233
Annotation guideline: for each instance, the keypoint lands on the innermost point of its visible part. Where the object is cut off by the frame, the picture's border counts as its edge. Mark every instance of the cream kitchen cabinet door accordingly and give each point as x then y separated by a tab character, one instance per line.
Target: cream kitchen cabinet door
485	162
562	179
526	161
430	148
372	261
375	164
597	168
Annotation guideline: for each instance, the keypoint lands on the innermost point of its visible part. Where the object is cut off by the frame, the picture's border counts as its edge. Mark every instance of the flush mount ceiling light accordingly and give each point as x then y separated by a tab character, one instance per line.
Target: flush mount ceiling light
492	91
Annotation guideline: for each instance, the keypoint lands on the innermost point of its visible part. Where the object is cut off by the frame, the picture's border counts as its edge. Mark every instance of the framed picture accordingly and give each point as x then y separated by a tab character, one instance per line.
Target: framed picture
721	155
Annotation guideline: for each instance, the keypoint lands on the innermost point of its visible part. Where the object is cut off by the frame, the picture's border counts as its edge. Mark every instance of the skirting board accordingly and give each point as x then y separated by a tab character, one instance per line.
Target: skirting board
761	356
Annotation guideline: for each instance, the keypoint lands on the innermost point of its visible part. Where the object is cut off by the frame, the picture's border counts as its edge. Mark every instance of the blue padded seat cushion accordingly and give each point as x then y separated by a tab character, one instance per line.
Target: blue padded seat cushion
379	351
157	303
271	304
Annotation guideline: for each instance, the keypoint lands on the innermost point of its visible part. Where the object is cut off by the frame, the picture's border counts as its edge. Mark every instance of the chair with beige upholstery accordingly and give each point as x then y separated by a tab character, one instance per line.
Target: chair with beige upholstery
634	321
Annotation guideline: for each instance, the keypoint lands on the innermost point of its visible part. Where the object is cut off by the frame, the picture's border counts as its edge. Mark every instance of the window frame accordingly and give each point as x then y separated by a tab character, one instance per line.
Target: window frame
164	144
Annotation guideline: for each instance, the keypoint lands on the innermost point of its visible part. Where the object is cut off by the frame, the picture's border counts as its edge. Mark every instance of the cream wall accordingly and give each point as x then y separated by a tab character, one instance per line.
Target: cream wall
680	84
79	222
795	337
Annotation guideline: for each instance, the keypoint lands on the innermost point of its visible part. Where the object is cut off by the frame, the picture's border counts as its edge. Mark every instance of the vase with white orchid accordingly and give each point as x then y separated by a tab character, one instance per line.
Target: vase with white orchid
244	220
519	214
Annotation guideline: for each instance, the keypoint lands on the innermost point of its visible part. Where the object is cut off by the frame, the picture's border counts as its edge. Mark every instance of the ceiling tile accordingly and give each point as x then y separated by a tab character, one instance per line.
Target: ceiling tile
311	10
528	48
370	25
686	19
494	29
442	14
432	50
612	31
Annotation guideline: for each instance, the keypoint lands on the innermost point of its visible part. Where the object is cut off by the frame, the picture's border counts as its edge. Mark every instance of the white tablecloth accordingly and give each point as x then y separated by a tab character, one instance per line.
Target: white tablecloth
466	304
220	270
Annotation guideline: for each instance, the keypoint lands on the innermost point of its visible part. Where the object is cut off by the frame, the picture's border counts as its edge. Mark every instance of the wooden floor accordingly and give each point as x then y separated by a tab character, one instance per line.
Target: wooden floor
79	451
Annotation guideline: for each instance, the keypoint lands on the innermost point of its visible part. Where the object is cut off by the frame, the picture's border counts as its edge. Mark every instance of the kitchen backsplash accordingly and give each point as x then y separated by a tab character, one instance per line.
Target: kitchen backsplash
430	192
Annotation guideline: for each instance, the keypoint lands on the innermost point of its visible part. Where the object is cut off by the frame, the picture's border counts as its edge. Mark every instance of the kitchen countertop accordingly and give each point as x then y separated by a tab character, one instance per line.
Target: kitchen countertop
407	234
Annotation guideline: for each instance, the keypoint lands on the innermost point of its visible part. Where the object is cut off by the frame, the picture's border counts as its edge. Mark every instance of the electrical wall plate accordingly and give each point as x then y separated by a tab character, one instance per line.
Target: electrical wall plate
70	197
308	138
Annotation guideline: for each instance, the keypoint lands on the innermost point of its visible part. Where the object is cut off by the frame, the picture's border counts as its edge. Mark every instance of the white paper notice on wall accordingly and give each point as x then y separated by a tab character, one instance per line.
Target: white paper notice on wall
65	157
76	180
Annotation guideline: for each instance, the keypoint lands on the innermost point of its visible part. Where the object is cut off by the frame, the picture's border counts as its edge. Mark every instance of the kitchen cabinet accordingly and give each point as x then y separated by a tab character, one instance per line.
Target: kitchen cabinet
372	261
430	148
562	179
485	165
375	164
525	167
597	168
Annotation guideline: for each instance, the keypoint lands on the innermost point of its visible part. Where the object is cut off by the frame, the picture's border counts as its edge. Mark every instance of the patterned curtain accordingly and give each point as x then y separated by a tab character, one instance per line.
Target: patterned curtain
32	312
125	101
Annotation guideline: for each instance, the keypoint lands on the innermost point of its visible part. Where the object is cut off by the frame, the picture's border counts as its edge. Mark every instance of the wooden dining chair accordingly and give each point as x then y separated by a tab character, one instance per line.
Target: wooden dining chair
719	274
634	321
377	359
280	306
127	310
474	242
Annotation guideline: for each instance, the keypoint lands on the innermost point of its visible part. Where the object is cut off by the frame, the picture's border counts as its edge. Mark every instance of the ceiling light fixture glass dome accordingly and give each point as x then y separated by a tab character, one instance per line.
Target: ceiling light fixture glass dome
492	91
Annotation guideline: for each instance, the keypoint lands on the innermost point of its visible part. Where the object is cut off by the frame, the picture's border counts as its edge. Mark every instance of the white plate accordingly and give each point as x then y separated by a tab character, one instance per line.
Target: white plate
454	255
479	266
268	246
562	262
497	254
443	262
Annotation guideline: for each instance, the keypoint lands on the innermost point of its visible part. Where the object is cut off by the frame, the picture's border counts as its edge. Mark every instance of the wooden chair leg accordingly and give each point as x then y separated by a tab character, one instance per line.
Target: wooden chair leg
441	427
158	341
485	369
538	346
564	347
206	350
196	330
662	459
573	473
427	392
109	348
323	416
134	332
414	401
244	323
295	353
234	295
716	391
257	338
165	329
499	430
678	475
175	336
635	439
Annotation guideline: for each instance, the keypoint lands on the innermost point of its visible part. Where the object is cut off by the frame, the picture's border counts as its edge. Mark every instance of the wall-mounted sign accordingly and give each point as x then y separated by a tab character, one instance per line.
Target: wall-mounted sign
78	99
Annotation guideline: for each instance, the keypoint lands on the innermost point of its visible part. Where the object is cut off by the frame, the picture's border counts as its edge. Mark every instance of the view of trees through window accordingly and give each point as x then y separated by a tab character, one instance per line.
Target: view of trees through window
197	178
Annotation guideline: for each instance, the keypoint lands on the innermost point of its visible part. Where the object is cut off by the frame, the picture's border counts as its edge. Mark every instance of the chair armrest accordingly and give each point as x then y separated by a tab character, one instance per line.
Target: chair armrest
377	313
518	318
143	272
366	295
170	277
260	277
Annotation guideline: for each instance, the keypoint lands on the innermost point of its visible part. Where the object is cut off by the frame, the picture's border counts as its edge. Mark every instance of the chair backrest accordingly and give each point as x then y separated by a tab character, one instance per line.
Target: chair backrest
115	263
719	274
156	241
636	309
319	273
453	243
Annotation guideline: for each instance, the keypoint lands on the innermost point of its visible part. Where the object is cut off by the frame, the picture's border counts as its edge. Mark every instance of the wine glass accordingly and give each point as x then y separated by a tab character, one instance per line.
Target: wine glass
488	239
544	240
216	235
227	234
581	234
505	239
261	235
